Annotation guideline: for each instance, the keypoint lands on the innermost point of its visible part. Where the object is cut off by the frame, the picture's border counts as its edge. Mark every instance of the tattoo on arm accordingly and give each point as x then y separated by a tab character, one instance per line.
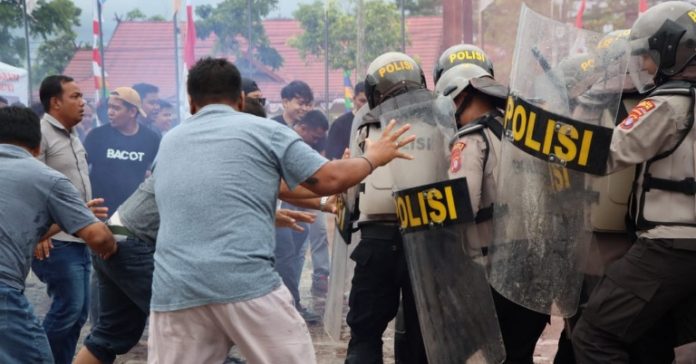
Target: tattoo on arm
311	181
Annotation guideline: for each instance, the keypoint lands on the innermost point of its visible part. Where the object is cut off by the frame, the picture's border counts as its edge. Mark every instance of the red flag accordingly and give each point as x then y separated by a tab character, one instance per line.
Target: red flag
190	43
578	18
642	6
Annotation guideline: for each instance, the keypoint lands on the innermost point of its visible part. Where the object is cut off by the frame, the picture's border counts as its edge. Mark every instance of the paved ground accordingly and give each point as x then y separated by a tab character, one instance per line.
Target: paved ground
328	351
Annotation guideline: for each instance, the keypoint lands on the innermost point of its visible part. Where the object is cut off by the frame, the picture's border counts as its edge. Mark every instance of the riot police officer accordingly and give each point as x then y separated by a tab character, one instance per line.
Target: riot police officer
656	275
465	74
381	275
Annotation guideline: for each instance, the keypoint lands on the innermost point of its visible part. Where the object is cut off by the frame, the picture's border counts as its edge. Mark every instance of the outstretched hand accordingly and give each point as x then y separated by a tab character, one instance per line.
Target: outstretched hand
291	218
387	147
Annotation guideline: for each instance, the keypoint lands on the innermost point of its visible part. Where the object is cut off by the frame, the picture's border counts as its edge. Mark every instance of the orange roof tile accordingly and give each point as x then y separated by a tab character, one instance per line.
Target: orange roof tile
143	51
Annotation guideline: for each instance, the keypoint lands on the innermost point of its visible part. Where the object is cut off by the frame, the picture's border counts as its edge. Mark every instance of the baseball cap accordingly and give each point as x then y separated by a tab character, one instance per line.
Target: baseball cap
249	85
130	96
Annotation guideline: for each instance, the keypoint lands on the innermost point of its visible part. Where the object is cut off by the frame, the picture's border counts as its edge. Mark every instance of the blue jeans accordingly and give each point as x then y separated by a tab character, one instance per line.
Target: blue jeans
23	338
319	244
125	288
66	274
289	255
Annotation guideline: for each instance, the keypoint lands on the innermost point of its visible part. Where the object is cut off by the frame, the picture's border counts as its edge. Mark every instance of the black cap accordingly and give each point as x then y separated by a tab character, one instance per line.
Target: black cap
249	85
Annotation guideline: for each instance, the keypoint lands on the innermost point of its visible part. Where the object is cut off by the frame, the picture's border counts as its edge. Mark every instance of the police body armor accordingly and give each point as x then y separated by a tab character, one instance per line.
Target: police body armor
489	128
608	215
455	307
542	226
664	192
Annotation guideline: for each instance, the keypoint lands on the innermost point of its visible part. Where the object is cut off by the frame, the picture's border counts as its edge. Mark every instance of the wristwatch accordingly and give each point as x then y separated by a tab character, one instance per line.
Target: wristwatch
322	203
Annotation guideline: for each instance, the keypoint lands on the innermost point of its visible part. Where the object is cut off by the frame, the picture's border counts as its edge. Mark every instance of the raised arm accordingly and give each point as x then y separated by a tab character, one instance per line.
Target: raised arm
336	176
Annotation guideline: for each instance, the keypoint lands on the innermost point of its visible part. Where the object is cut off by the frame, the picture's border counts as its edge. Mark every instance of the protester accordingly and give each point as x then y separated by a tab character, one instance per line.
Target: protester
66	271
214	273
28	211
339	134
149	97
164	119
120	153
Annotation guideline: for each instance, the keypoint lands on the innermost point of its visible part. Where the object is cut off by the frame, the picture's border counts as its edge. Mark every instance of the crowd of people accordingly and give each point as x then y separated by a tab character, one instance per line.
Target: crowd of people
198	230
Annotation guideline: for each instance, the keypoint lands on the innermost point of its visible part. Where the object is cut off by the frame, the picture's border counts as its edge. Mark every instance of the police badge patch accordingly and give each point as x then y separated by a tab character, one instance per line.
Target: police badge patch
455	158
636	113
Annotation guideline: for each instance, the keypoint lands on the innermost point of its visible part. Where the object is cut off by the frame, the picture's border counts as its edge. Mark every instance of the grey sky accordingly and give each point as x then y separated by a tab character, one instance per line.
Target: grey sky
150	7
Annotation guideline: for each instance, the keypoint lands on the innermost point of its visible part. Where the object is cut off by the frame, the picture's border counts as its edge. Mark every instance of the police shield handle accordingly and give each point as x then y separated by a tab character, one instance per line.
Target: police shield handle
386	149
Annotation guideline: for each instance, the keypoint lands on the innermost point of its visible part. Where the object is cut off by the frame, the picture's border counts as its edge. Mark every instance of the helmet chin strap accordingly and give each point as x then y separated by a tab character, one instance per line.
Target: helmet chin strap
463	106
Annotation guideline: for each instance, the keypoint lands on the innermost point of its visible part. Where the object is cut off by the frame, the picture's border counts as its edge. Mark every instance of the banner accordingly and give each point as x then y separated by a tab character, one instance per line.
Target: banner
14	84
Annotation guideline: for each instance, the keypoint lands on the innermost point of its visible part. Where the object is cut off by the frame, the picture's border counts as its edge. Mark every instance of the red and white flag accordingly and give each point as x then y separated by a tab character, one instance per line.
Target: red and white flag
97	63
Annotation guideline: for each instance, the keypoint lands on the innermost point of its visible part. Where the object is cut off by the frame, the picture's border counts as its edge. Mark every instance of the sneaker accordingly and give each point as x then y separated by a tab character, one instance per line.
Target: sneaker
310	317
320	286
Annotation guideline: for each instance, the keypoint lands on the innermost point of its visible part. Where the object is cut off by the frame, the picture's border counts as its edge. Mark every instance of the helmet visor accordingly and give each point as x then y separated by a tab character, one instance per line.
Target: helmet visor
643	65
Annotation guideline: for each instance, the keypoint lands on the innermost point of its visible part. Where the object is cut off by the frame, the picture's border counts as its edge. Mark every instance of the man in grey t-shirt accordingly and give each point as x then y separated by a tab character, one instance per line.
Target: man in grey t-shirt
28	210
66	270
216	185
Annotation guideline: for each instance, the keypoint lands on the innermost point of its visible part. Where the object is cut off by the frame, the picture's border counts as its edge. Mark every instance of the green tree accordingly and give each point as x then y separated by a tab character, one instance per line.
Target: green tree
421	7
49	21
229	21
52	56
381	32
135	14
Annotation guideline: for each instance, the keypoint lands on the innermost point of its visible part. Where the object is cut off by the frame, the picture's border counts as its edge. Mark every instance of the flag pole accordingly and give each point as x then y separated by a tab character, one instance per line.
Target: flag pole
177	64
101	50
26	37
326	58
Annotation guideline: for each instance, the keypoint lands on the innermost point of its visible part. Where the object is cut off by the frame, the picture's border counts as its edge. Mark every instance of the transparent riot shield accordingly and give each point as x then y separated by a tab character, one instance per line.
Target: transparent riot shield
549	156
453	298
340	262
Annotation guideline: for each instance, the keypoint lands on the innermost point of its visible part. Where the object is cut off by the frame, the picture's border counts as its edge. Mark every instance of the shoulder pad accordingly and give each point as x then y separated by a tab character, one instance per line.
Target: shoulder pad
370	119
490	121
464	131
674	87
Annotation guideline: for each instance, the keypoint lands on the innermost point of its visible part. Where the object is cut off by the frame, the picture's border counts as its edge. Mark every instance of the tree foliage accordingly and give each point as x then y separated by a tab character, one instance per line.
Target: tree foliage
421	7
50	21
381	32
135	14
229	21
138	15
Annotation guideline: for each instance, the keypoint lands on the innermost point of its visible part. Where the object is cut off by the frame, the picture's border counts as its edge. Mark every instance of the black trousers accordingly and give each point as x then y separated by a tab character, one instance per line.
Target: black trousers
380	279
521	329
637	293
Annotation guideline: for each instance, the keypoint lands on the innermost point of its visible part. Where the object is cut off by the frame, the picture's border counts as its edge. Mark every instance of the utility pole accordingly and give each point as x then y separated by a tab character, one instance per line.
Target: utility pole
360	54
467	21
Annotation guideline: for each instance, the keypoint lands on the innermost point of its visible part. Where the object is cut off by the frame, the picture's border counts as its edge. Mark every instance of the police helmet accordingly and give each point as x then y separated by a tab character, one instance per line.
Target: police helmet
666	35
612	46
458	78
392	74
464	66
462	53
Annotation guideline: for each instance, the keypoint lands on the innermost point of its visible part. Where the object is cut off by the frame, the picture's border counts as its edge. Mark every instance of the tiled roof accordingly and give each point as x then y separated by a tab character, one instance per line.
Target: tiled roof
143	51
